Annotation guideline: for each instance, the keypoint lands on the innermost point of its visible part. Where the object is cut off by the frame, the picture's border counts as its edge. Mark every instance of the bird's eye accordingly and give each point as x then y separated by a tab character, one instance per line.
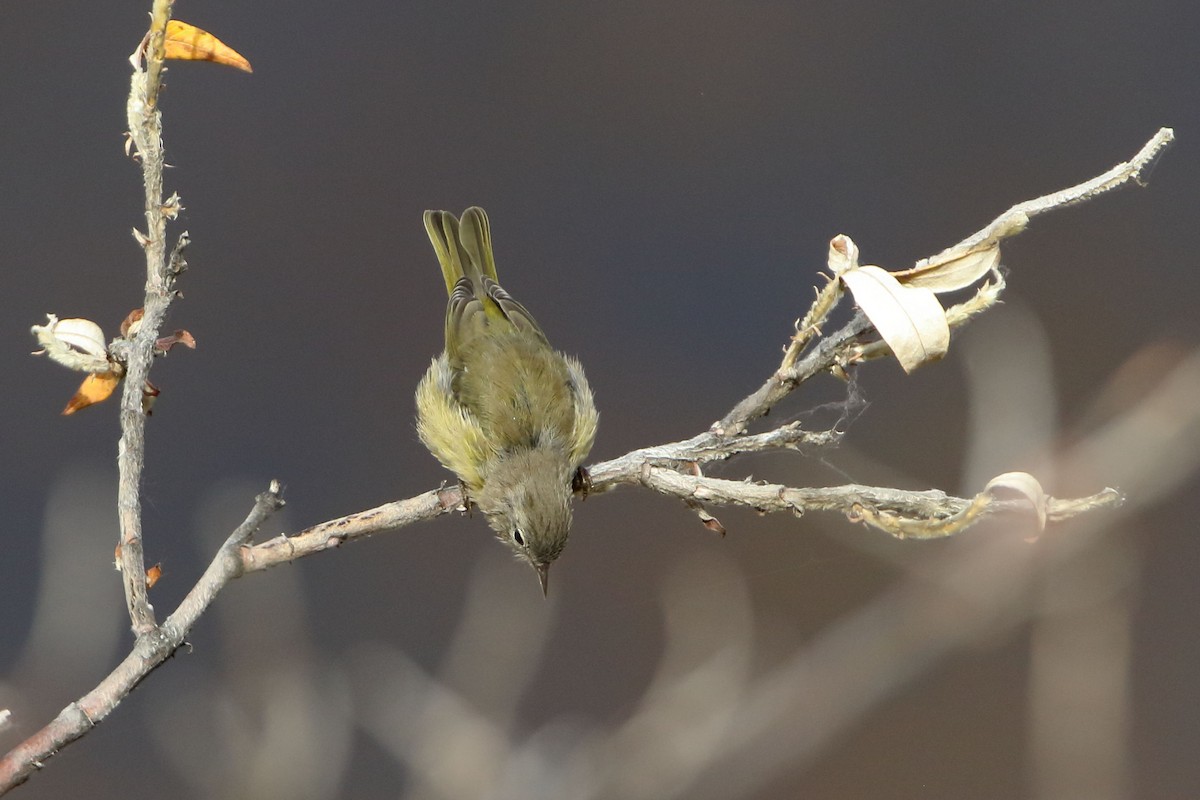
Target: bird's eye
518	537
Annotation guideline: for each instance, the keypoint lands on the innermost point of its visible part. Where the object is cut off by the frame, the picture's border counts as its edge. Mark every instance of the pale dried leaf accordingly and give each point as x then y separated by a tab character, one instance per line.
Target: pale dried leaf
1025	485
77	344
951	271
843	254
909	319
1010	224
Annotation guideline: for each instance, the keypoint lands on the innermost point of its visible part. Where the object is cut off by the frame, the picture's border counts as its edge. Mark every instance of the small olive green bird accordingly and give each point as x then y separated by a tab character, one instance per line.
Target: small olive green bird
511	416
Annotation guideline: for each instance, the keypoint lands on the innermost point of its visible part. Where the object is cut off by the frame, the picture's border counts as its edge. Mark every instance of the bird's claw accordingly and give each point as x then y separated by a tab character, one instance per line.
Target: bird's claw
581	482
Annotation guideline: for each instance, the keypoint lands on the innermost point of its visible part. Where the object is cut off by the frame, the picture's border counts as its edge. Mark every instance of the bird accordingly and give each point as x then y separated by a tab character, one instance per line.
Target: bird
503	410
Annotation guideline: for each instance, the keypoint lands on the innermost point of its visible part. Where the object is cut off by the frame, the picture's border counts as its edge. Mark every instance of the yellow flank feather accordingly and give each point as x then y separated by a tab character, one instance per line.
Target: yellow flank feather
445	427
587	419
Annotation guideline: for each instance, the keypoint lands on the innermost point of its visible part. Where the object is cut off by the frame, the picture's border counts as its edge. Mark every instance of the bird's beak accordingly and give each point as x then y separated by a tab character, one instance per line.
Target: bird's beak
543	571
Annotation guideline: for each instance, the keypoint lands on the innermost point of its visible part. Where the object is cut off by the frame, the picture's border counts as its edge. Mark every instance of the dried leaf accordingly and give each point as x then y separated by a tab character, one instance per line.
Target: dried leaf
173	206
77	344
843	254
95	388
1025	485
153	574
182	337
951	271
910	319
131	323
706	519
189	43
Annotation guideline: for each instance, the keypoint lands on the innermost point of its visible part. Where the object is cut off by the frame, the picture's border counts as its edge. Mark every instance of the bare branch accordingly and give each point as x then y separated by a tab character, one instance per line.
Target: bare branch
937	510
1015	219
150	650
335	532
226	566
160	15
834	350
145	130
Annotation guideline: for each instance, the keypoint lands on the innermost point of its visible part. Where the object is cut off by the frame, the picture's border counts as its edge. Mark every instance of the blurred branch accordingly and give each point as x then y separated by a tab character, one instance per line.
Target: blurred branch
673	469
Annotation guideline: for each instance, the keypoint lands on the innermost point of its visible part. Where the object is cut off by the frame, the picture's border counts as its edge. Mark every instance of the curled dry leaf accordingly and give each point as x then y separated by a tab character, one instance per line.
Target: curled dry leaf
95	388
951	271
131	323
182	337
909	319
189	43
172	206
706	519
1025	485
153	574
843	254
712	523
77	344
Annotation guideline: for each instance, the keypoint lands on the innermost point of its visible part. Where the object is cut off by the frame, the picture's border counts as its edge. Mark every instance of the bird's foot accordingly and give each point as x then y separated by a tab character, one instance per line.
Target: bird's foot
581	482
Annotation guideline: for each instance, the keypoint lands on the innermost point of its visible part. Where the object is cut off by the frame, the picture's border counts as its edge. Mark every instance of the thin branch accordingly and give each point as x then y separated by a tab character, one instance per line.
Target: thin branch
160	15
774	498
831	351
837	349
150	650
1015	219
145	130
336	532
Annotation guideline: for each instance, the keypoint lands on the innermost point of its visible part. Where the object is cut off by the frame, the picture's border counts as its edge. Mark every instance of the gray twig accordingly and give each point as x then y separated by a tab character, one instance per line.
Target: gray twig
145	130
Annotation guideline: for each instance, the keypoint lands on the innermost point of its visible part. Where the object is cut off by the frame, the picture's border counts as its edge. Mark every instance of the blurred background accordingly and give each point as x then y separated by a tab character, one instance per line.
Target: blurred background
663	179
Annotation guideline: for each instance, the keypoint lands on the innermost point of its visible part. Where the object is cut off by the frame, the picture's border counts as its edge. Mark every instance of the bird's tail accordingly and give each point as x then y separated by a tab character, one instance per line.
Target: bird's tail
463	248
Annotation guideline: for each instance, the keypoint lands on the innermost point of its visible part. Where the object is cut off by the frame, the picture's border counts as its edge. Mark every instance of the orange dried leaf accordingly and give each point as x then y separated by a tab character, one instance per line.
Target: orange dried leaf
153	574
94	389
189	43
